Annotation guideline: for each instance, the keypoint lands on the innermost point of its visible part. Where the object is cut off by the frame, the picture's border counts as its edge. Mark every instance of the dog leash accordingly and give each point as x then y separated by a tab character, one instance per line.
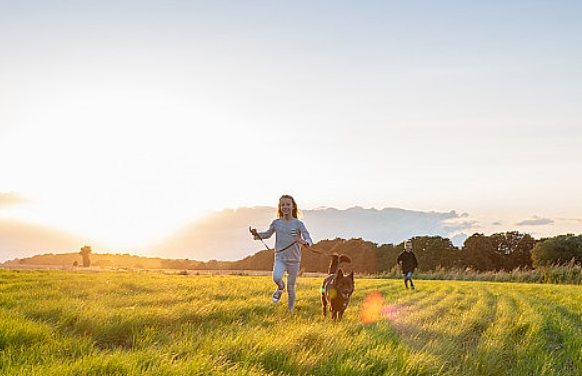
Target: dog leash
289	246
256	234
319	252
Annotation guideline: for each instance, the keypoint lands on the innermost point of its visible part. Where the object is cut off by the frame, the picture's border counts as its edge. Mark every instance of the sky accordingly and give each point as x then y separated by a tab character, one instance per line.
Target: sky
121	121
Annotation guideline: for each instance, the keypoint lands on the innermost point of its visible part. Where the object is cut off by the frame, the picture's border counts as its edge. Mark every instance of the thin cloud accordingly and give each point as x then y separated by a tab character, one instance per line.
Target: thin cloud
577	220
535	221
224	235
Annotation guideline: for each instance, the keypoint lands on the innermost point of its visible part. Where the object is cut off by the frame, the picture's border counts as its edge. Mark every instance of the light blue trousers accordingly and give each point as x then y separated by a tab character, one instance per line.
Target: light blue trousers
292	268
408	277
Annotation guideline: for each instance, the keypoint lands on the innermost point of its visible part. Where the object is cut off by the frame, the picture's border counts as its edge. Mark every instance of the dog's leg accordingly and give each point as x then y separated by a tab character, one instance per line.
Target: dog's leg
323	304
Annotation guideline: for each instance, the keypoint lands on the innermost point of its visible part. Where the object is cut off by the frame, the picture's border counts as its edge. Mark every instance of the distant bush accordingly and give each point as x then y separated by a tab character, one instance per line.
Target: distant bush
561	249
569	274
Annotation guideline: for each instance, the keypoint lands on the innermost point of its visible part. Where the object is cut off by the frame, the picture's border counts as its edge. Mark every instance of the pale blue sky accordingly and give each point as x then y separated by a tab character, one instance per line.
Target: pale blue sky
122	120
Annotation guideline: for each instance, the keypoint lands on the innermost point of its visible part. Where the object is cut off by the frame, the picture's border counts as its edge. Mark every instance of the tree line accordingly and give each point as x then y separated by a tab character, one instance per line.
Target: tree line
497	252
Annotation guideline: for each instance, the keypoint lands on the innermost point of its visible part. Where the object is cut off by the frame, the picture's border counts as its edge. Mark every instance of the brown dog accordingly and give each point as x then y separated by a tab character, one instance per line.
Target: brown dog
337	288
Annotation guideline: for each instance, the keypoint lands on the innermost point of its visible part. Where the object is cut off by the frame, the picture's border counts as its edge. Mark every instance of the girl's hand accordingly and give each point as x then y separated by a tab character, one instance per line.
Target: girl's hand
253	231
303	242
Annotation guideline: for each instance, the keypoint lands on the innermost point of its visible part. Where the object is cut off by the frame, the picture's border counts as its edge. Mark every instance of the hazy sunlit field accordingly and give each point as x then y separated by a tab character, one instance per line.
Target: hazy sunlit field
109	323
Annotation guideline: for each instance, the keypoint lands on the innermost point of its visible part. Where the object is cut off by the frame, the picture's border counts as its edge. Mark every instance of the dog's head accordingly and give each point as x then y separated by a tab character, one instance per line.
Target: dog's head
345	286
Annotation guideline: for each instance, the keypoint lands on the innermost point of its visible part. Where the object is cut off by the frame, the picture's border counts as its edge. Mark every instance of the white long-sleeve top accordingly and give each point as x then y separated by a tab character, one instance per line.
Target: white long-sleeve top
288	232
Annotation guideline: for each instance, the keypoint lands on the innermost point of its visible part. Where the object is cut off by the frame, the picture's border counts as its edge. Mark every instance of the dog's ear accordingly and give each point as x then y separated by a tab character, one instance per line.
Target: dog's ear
340	274
351	276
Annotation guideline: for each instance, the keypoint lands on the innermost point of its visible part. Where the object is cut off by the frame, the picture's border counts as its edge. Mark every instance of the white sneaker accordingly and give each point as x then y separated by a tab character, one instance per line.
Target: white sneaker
277	295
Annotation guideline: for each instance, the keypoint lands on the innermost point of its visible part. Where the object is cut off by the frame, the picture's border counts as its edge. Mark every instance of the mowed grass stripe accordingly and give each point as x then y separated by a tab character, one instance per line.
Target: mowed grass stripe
449	329
558	335
498	348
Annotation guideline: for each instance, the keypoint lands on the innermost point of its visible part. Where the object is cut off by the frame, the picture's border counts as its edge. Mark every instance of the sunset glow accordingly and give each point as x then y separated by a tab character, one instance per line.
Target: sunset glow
123	122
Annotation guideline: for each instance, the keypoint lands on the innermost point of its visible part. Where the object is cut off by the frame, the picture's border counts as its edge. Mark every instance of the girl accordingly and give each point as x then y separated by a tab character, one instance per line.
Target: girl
291	235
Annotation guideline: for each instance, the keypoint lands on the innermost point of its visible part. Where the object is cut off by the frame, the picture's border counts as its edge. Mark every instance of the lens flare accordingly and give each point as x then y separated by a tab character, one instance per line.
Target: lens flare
390	311
372	307
331	293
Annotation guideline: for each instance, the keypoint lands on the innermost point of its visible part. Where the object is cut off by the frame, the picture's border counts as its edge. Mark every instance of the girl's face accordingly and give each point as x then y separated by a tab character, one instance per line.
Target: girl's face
286	205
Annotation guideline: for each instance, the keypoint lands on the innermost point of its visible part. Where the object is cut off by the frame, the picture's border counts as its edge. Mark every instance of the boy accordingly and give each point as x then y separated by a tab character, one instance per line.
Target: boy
407	261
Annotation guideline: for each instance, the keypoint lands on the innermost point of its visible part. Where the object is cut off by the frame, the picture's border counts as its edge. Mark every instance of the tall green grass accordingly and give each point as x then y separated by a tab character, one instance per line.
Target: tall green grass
570	274
80	323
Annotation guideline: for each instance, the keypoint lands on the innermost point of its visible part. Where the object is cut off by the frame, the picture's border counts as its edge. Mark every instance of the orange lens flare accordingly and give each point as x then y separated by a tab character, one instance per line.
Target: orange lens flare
372	307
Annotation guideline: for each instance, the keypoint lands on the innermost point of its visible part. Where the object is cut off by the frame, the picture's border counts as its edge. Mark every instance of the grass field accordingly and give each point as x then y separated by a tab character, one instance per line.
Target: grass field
110	323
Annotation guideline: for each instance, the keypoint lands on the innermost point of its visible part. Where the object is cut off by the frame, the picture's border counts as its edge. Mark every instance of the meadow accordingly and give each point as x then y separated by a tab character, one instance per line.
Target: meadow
138	323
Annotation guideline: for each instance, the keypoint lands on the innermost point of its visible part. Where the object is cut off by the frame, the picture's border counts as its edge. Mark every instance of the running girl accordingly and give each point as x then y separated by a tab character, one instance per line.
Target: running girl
291	234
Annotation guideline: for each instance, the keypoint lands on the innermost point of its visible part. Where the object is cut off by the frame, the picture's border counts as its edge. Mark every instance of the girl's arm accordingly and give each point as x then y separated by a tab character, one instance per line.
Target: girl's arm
305	235
266	234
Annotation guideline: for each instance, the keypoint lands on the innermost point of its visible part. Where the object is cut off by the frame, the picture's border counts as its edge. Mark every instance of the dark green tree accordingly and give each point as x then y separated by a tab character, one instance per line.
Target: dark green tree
313	259
479	253
433	252
513	249
386	255
362	253
561	249
85	253
262	260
